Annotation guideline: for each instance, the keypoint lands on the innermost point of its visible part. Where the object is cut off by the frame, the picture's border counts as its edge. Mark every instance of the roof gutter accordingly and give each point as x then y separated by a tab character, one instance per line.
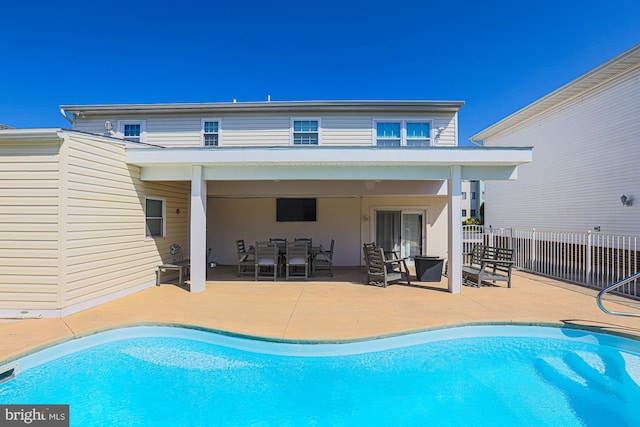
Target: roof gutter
64	114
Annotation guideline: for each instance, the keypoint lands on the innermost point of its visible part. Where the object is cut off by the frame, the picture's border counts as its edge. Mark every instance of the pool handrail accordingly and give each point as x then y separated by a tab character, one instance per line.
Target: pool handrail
612	287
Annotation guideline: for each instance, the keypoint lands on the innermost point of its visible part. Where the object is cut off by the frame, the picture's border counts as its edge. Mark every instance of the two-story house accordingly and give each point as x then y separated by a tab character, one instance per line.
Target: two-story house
87	214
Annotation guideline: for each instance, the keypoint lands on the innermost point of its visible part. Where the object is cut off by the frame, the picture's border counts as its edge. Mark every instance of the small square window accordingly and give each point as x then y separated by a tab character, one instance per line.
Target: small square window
154	216
132	130
305	132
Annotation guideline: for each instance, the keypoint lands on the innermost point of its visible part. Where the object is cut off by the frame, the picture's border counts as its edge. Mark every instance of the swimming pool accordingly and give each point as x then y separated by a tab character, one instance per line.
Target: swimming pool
476	375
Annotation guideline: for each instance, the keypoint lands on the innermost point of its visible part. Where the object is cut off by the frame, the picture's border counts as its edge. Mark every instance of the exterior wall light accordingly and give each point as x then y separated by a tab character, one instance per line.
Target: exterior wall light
626	201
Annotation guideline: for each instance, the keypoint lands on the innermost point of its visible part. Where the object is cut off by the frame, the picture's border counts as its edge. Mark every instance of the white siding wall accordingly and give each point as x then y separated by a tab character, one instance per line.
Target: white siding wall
29	196
340	218
254	219
586	155
268	129
105	248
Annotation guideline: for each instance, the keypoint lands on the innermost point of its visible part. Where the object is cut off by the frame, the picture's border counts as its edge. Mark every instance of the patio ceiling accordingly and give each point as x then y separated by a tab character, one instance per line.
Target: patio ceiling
327	163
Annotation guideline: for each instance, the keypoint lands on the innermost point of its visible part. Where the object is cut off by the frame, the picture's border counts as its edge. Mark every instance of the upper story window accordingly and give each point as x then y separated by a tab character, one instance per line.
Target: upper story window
473	195
305	131
210	132
396	133
464	195
388	134
132	130
418	134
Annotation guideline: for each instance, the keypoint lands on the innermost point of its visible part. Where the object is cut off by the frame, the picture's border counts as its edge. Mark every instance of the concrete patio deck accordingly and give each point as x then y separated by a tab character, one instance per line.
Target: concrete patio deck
338	308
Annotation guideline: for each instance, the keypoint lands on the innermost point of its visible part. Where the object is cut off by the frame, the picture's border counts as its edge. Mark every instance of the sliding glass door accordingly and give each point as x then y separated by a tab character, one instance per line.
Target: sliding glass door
402	231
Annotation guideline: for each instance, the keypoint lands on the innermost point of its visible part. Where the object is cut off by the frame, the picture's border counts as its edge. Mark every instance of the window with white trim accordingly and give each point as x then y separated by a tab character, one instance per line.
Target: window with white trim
396	133
305	131
388	134
464	212
154	213
418	134
132	130
210	132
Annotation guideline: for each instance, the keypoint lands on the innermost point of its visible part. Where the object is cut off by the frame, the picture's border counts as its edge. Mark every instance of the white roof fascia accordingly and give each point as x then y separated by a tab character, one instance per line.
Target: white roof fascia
328	163
617	66
344	156
41	134
265	106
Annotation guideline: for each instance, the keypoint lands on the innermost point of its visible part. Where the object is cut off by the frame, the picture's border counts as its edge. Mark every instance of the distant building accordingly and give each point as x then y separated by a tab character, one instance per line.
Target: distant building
472	199
4	126
585	170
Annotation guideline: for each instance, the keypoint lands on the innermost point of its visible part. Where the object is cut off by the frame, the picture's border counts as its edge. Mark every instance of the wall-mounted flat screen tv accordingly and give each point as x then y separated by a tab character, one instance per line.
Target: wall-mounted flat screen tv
290	209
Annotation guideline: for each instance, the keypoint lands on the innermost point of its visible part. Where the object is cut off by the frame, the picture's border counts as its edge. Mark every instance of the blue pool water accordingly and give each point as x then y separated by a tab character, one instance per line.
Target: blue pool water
491	376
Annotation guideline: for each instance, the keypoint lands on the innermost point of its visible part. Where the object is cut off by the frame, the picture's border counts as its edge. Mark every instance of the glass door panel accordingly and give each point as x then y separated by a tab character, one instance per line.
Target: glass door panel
411	242
401	232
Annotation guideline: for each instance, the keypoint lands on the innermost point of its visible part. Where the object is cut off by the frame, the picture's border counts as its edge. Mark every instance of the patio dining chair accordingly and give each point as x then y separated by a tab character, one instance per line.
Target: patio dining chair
297	258
266	262
323	260
246	259
308	240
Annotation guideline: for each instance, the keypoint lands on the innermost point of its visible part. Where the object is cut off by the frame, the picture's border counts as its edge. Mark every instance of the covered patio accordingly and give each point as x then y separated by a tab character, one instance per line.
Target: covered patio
332	309
363	175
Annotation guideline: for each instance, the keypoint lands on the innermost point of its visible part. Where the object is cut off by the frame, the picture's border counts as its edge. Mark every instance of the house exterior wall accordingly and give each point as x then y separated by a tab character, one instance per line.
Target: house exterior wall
29	233
106	249
585	157
262	129
348	220
72	224
254	219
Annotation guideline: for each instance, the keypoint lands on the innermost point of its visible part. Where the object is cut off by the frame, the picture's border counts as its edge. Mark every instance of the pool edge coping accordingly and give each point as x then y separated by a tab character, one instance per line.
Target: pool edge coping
75	336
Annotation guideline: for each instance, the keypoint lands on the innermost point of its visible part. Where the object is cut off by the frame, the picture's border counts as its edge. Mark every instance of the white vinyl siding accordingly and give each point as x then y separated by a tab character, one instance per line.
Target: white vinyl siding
264	130
29	232
586	156
72	223
106	249
256	130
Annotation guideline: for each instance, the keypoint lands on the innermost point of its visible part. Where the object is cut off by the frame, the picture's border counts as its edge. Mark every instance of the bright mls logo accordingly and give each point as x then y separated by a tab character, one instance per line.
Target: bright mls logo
34	415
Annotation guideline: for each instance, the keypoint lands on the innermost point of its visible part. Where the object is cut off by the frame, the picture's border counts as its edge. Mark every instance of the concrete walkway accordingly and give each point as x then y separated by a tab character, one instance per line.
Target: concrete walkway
339	308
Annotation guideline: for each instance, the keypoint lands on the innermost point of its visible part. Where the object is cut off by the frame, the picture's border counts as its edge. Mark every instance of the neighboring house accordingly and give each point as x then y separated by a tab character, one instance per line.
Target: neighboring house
86	215
586	138
472	199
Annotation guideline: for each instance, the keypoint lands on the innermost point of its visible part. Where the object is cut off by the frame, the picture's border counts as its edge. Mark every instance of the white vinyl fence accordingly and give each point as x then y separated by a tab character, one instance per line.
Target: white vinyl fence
590	258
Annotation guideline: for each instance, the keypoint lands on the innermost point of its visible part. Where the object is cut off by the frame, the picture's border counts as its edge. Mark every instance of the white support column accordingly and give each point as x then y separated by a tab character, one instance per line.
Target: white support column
198	239
454	191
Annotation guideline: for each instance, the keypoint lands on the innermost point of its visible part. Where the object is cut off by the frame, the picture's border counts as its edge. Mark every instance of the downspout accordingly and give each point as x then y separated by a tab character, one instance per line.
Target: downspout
64	114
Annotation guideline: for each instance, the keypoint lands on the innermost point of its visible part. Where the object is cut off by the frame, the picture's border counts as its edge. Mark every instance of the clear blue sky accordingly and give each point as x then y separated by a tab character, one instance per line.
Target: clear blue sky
497	56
